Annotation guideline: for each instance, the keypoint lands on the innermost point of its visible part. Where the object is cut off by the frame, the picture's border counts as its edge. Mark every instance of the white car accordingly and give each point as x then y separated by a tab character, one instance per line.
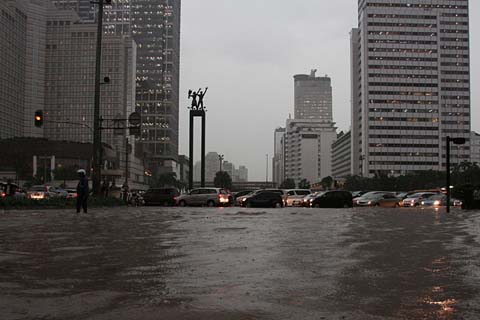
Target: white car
41	192
295	197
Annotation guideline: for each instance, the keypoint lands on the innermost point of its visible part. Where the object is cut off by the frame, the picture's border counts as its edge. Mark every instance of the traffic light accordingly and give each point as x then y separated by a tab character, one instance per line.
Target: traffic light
38	118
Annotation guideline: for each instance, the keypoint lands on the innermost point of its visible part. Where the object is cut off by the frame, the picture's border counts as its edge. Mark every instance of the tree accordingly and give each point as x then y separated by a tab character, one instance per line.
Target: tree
222	180
169	179
304	184
326	182
288	183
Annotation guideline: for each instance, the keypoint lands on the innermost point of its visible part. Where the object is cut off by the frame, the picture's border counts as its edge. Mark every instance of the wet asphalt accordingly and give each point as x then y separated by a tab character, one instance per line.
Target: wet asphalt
234	263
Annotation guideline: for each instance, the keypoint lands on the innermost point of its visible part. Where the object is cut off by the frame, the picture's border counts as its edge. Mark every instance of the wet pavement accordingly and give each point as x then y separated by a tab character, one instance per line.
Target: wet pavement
233	263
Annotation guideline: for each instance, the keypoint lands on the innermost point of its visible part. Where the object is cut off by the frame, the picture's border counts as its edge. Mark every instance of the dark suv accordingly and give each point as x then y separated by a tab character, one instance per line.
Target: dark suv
264	199
332	199
161	196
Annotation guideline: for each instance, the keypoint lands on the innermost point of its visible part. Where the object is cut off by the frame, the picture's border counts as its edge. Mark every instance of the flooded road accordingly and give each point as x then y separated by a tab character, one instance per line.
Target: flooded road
234	263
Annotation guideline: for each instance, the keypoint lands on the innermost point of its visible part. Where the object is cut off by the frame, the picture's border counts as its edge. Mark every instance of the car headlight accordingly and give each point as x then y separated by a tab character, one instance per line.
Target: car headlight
369	202
436	203
423	203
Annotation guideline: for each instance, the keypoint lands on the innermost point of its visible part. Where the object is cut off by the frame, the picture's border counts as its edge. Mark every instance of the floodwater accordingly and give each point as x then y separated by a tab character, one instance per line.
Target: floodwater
234	263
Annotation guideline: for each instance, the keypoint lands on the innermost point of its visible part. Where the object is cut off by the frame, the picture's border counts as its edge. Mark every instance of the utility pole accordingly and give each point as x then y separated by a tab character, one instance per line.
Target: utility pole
97	133
126	160
266	172
457	141
220	159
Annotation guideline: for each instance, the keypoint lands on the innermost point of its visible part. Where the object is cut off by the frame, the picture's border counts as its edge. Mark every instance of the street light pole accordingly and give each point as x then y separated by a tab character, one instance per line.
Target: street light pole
97	134
266	172
457	141
220	159
448	174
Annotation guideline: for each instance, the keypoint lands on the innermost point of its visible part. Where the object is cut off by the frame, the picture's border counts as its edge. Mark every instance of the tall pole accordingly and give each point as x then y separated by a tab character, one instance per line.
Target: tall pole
126	161
190	173
203	150
266	172
97	134
448	174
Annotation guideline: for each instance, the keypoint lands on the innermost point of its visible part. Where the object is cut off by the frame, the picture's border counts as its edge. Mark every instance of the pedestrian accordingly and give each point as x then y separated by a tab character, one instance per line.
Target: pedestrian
82	191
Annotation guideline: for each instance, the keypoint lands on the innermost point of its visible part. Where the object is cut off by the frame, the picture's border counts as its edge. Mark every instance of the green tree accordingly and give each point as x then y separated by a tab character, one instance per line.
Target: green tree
326	182
304	184
288	183
168	179
222	180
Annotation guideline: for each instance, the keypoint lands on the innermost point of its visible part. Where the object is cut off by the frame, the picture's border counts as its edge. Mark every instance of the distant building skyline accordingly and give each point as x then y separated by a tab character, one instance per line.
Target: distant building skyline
313	97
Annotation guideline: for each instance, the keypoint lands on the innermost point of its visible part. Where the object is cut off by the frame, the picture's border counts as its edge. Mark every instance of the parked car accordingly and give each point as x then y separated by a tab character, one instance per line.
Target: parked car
332	199
239	199
242	193
294	197
71	193
61	193
379	199
265	199
41	192
309	198
416	199
440	200
161	196
211	197
366	195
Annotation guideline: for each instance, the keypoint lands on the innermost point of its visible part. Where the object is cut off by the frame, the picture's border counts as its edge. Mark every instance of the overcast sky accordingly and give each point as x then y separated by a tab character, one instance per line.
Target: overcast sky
247	52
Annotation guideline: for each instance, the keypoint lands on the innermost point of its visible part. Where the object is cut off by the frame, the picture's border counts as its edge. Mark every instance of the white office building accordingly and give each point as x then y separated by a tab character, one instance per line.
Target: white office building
410	85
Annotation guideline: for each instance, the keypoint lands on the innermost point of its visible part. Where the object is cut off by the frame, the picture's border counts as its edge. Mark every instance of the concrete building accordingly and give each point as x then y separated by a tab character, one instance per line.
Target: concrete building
410	85
475	147
307	143
277	160
242	173
155	27
69	89
308	149
36	12
341	155
313	97
13	49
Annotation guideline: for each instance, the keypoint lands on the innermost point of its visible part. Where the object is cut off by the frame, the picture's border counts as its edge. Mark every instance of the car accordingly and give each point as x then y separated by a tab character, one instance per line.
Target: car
210	197
71	193
265	199
294	197
307	199
379	199
332	199
161	196
242	193
61	193
416	199
440	200
367	194
40	192
239	199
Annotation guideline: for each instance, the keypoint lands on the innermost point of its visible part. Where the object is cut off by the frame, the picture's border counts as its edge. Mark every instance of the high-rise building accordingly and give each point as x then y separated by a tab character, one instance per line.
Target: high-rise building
410	85
36	12
475	147
242	173
313	97
341	155
277	160
13	28
307	142
155	27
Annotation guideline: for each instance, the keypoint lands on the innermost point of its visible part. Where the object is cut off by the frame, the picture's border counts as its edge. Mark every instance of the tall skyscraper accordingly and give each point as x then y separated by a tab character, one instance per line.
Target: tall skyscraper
155	26
313	97
308	138
277	160
13	28
410	85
